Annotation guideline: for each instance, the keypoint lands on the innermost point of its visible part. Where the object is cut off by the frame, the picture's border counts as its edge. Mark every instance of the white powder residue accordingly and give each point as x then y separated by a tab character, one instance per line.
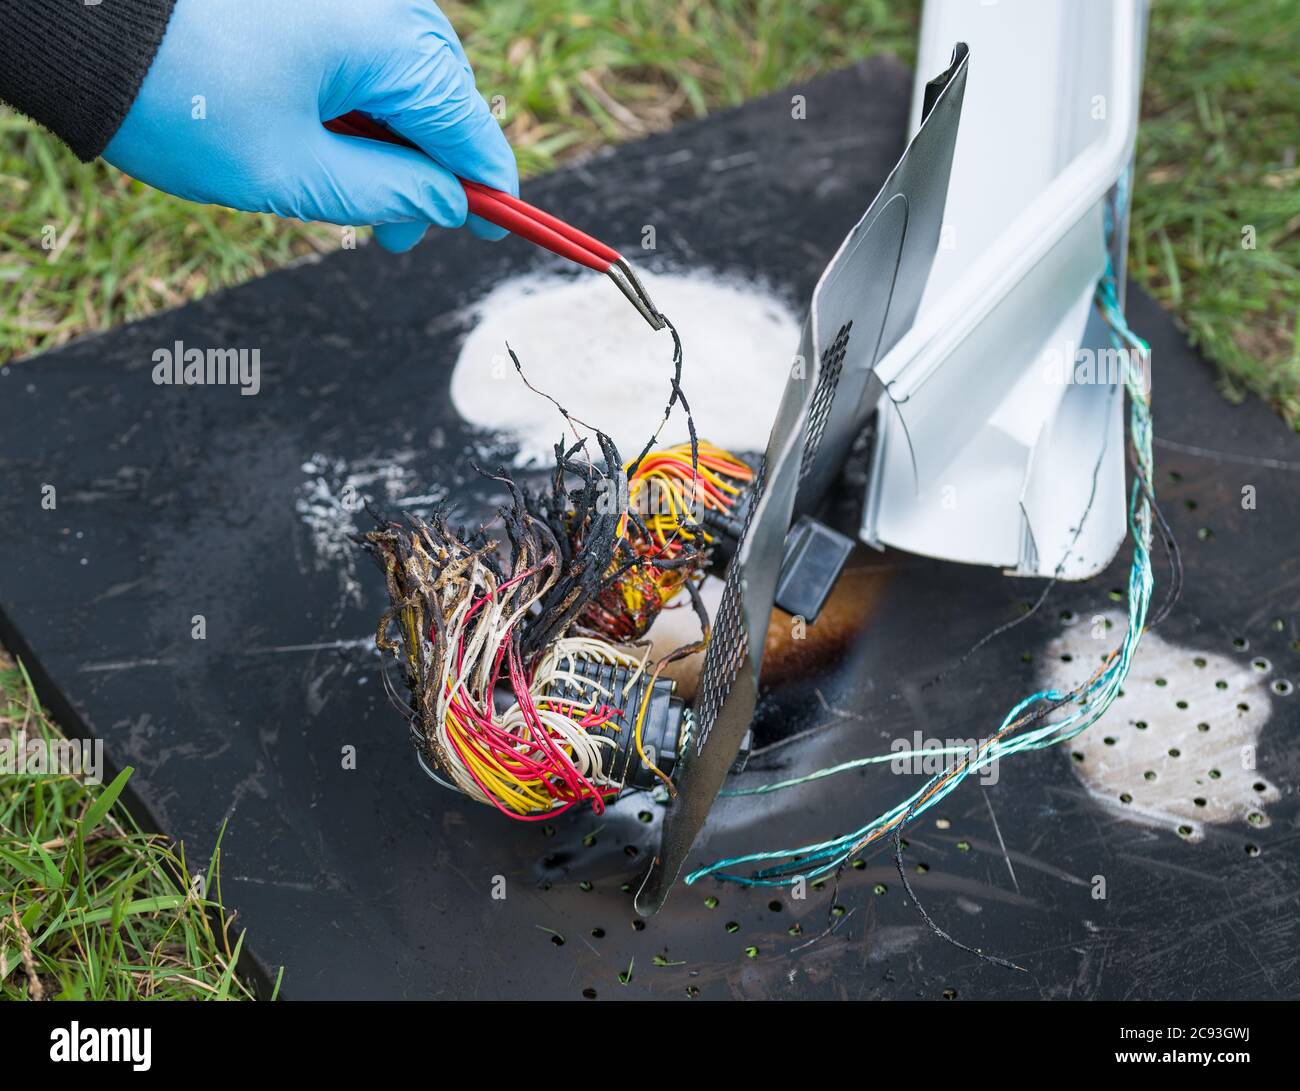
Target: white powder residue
333	496
1179	748
581	341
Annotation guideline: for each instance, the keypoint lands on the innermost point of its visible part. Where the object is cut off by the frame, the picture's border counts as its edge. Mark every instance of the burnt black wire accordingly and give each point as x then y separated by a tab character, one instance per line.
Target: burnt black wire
1047	709
675	397
907	886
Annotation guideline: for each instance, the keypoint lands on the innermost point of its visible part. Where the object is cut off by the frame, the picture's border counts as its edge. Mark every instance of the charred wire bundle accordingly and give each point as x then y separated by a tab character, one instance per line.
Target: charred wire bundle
671	495
524	690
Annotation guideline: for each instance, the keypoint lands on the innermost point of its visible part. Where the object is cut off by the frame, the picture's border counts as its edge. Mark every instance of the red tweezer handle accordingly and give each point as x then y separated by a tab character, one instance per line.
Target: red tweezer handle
498	207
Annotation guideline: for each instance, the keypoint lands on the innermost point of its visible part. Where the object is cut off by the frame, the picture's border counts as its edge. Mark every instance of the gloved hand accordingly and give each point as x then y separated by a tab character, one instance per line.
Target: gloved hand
270	71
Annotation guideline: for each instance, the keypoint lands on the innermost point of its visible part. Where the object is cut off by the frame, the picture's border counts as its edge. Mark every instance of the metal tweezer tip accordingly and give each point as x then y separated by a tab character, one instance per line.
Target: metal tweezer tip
620	272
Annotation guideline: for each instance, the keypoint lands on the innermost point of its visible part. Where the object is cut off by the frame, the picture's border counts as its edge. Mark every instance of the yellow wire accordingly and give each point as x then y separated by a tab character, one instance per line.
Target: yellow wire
531	796
636	737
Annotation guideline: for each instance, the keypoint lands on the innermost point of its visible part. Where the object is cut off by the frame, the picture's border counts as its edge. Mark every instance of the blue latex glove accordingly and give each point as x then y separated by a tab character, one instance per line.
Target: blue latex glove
270	71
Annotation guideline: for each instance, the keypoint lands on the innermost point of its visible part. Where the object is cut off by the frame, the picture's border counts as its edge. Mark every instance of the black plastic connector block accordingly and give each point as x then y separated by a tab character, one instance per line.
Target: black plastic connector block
603	683
726	529
814	557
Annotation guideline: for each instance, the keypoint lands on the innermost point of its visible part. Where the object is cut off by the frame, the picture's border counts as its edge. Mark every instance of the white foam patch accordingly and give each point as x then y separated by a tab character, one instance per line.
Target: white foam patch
1179	749
580	341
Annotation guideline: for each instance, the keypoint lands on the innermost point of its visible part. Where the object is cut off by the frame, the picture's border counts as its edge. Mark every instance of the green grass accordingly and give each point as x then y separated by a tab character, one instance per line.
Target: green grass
1217	153
90	907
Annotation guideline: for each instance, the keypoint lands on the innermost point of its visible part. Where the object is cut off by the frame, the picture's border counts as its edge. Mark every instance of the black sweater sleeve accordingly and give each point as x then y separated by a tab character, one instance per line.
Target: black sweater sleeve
76	67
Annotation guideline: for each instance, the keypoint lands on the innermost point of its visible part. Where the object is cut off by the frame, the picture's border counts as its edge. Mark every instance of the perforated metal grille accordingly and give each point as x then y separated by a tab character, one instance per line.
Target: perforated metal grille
828	380
729	638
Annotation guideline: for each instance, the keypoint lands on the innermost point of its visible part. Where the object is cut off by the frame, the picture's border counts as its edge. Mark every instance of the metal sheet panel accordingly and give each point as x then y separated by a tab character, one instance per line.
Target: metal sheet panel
862	304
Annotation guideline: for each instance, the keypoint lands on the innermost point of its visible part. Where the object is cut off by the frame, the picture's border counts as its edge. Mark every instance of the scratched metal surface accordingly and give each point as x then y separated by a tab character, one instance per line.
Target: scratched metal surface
376	883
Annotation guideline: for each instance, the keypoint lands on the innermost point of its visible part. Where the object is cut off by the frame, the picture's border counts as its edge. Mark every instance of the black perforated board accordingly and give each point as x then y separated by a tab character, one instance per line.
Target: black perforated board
376	883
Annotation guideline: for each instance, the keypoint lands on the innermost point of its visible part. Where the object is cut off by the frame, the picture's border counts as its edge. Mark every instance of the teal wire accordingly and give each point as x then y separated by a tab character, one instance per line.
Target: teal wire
857	763
1089	702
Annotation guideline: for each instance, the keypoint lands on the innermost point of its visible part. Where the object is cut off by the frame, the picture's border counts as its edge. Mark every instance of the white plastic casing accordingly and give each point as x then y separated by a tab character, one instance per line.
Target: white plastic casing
984	452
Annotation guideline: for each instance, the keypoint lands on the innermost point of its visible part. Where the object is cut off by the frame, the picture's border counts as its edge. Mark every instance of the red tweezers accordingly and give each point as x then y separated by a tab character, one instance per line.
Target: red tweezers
527	221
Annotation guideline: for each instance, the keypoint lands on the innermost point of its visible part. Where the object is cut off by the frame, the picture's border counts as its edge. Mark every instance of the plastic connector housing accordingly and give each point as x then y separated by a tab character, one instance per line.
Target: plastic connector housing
603	683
